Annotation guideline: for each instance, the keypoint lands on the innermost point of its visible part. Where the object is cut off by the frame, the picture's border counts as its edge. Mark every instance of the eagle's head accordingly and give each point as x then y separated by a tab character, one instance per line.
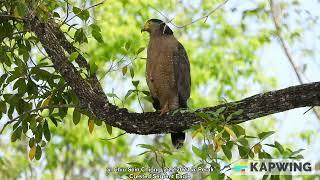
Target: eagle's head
156	26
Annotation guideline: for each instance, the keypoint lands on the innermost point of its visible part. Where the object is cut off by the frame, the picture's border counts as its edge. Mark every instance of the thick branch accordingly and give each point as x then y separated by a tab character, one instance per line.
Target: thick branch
81	61
151	123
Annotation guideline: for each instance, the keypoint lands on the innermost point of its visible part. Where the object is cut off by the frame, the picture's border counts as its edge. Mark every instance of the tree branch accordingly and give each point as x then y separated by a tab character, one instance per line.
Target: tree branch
98	105
6	17
34	110
205	17
282	41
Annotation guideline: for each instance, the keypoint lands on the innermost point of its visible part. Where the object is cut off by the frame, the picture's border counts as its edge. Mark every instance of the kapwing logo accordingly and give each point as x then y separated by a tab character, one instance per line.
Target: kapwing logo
275	167
240	167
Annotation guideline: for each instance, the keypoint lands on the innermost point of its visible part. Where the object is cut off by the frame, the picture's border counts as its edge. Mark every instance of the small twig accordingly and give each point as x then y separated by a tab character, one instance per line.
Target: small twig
95	5
308	110
286	50
6	17
283	43
108	139
65	19
205	17
34	110
139	101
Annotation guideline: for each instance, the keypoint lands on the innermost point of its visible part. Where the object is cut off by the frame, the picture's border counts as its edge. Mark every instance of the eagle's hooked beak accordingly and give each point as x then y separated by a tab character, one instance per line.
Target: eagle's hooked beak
146	27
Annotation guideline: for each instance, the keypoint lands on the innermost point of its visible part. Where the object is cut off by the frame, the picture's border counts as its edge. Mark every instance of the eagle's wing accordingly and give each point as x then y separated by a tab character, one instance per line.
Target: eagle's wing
182	74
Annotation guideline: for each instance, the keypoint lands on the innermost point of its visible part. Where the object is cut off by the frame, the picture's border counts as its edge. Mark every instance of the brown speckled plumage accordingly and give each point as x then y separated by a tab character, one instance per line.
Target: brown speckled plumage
167	71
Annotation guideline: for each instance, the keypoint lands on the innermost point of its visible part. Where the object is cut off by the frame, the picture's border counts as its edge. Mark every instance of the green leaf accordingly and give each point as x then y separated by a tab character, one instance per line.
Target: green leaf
147	93
124	70
147	146
11	99
238	130
229	144
76	116
279	147
135	83
140	50
55	14
127	45
33	125
97	36
264	155
296	152
21	9
274	177
287	177
135	164
214	175
148	98
53	120
80	36
243	141
38	133
43	143
109	128
198	152
82	14
16	134
5	59
243	151
98	122
220	110
31	142
4	76
73	56
3	107
95	27
38	152
93	68
40	74
10	111
298	157
264	135
237	113
131	72
32	88
76	10
227	152
46	131
265	177
25	125
128	93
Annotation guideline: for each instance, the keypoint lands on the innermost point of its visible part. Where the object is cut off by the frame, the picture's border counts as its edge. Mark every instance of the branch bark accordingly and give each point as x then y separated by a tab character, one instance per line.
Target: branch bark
96	103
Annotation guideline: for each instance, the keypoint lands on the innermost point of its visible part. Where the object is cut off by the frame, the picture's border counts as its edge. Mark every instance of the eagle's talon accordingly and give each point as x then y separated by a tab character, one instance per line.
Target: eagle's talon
163	111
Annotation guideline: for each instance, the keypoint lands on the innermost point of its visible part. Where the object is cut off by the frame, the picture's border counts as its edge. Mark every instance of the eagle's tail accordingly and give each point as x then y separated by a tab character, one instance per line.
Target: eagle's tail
178	139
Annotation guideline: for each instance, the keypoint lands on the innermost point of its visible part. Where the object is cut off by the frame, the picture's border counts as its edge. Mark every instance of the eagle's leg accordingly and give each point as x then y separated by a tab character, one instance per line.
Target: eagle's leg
165	108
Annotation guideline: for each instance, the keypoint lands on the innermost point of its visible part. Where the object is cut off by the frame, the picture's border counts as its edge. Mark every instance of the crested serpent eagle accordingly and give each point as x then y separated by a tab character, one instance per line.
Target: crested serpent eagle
167	72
